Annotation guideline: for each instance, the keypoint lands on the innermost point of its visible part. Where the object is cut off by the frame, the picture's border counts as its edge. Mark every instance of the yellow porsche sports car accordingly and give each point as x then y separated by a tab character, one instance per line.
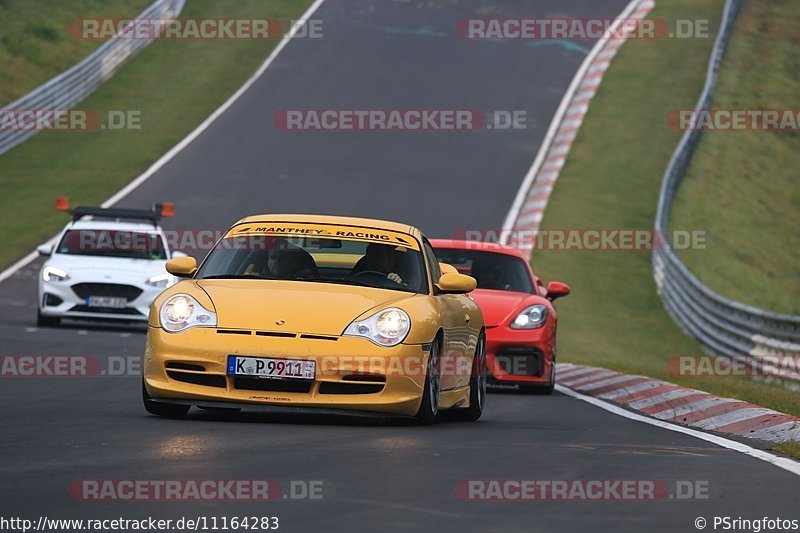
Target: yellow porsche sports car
298	312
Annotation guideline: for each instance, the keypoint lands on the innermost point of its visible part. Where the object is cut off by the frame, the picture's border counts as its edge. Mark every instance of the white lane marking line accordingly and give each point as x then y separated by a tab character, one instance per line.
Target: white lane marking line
781	462
163	160
661	398
733	417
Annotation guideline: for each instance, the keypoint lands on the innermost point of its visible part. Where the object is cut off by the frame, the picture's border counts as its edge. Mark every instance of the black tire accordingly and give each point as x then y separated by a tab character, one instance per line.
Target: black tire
429	406
477	385
165	410
47	321
542	390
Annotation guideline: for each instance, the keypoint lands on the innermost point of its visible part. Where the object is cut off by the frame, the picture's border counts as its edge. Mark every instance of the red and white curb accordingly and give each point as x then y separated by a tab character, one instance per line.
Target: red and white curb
528	209
680	405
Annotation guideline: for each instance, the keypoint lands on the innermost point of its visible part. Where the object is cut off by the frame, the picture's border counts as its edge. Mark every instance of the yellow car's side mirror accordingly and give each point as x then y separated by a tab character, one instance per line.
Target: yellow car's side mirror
451	283
182	267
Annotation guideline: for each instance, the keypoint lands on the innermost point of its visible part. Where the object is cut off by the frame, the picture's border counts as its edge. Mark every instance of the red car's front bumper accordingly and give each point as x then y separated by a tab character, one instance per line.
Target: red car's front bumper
520	356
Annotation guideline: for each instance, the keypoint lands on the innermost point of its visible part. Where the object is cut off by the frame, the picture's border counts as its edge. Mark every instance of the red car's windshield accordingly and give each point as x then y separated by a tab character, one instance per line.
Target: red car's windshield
493	271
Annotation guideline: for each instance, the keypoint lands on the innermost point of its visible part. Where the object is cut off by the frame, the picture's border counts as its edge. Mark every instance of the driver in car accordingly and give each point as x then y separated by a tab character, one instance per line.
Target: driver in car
379	259
490	276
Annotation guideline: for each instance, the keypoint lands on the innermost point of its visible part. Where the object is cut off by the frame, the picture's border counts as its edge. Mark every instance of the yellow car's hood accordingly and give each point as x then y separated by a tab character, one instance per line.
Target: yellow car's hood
293	306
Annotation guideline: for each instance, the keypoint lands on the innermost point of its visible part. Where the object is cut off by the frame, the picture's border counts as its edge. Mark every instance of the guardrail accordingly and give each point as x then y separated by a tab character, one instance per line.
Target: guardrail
75	84
721	325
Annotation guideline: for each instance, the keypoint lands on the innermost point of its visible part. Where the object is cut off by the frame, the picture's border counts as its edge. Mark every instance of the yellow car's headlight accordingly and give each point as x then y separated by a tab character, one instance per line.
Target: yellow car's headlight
181	312
385	328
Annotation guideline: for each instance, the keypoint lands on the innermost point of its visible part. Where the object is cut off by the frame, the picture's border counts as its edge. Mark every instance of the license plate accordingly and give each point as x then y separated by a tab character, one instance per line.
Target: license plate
106	301
263	367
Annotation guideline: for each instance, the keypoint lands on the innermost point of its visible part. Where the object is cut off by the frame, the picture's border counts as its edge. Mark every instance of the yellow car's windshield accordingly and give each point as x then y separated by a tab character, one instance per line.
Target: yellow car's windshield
356	261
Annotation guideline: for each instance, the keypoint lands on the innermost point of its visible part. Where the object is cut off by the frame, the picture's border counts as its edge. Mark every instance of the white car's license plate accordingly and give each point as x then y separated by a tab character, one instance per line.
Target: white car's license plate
263	367
106	301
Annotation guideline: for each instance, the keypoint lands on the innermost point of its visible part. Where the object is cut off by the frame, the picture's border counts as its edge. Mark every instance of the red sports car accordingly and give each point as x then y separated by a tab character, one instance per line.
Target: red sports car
517	308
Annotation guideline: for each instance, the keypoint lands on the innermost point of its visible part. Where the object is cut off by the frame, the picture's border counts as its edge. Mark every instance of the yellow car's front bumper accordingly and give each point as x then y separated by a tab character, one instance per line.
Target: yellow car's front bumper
352	374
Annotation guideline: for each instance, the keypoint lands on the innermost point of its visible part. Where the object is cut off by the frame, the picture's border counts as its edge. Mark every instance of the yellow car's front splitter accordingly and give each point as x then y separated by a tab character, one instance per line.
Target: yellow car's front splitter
352	374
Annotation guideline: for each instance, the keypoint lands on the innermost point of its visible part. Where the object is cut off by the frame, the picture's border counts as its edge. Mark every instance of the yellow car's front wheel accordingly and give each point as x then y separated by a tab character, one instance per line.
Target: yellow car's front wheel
429	406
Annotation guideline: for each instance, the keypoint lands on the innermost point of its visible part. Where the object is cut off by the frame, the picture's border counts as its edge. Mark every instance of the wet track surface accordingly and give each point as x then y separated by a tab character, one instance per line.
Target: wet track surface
378	474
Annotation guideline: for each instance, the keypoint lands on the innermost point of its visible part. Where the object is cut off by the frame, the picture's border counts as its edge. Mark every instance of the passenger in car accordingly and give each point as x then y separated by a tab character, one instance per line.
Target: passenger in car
284	261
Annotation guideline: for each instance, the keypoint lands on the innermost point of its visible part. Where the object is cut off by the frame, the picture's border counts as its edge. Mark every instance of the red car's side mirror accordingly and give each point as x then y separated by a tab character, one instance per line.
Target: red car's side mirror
556	289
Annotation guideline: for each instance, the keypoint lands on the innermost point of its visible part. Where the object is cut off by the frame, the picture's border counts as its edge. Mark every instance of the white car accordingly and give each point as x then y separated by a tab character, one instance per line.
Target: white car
109	267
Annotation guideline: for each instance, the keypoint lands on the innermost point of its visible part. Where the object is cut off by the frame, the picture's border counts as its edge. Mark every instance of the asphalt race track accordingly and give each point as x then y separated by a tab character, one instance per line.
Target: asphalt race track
378	474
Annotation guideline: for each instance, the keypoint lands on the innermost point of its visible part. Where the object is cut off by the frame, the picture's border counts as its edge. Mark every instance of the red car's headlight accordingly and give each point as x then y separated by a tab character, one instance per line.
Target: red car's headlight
530	318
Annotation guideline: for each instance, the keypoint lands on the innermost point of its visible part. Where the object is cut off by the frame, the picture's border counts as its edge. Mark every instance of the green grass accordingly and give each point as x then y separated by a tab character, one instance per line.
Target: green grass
614	317
743	187
173	84
35	43
790	448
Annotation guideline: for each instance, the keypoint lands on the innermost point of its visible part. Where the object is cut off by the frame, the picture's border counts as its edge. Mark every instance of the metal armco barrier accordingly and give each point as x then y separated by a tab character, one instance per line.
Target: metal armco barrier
721	325
75	84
